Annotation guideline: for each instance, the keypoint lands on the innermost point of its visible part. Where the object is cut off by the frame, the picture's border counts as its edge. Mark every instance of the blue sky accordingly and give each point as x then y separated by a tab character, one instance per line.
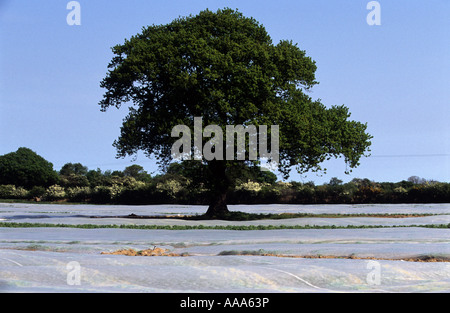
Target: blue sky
394	76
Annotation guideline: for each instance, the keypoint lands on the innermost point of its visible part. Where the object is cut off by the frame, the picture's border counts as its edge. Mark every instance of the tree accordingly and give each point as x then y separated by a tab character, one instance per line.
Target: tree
73	168
27	169
265	177
137	172
334	181
223	67
73	175
96	178
416	180
362	182
73	180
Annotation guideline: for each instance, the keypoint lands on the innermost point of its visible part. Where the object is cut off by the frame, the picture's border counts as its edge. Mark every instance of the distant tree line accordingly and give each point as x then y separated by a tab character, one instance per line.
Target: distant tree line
25	175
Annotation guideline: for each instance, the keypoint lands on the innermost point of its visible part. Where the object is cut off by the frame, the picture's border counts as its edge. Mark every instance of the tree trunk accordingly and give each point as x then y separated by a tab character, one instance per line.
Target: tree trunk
219	184
218	206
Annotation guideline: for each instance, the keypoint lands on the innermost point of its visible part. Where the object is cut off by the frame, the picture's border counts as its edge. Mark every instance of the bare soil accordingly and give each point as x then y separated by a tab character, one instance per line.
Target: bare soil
148	252
353	257
164	252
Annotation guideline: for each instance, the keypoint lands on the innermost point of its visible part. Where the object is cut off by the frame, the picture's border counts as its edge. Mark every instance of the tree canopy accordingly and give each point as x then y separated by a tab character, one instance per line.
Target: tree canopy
224	67
27	169
73	169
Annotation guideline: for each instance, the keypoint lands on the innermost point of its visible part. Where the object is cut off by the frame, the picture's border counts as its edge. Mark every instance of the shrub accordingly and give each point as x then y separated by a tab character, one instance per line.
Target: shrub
400	190
304	194
36	192
20	193
269	194
73	180
437	192
12	192
169	187
115	191
54	192
250	186
78	194
367	194
120	185
101	195
140	195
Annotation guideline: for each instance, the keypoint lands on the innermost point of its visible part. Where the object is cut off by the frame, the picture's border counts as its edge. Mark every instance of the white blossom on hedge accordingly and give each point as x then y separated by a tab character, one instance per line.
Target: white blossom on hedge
55	192
172	187
250	186
400	190
73	192
11	191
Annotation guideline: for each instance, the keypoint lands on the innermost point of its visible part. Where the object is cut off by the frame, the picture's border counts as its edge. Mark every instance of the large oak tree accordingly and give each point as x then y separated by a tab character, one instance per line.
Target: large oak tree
224	67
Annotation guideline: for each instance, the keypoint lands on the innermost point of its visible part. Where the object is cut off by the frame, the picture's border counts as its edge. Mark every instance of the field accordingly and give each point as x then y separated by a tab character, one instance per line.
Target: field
334	248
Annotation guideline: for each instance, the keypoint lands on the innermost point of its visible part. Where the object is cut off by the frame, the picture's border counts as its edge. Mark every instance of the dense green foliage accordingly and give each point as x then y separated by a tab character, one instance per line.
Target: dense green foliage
223	67
178	185
25	168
